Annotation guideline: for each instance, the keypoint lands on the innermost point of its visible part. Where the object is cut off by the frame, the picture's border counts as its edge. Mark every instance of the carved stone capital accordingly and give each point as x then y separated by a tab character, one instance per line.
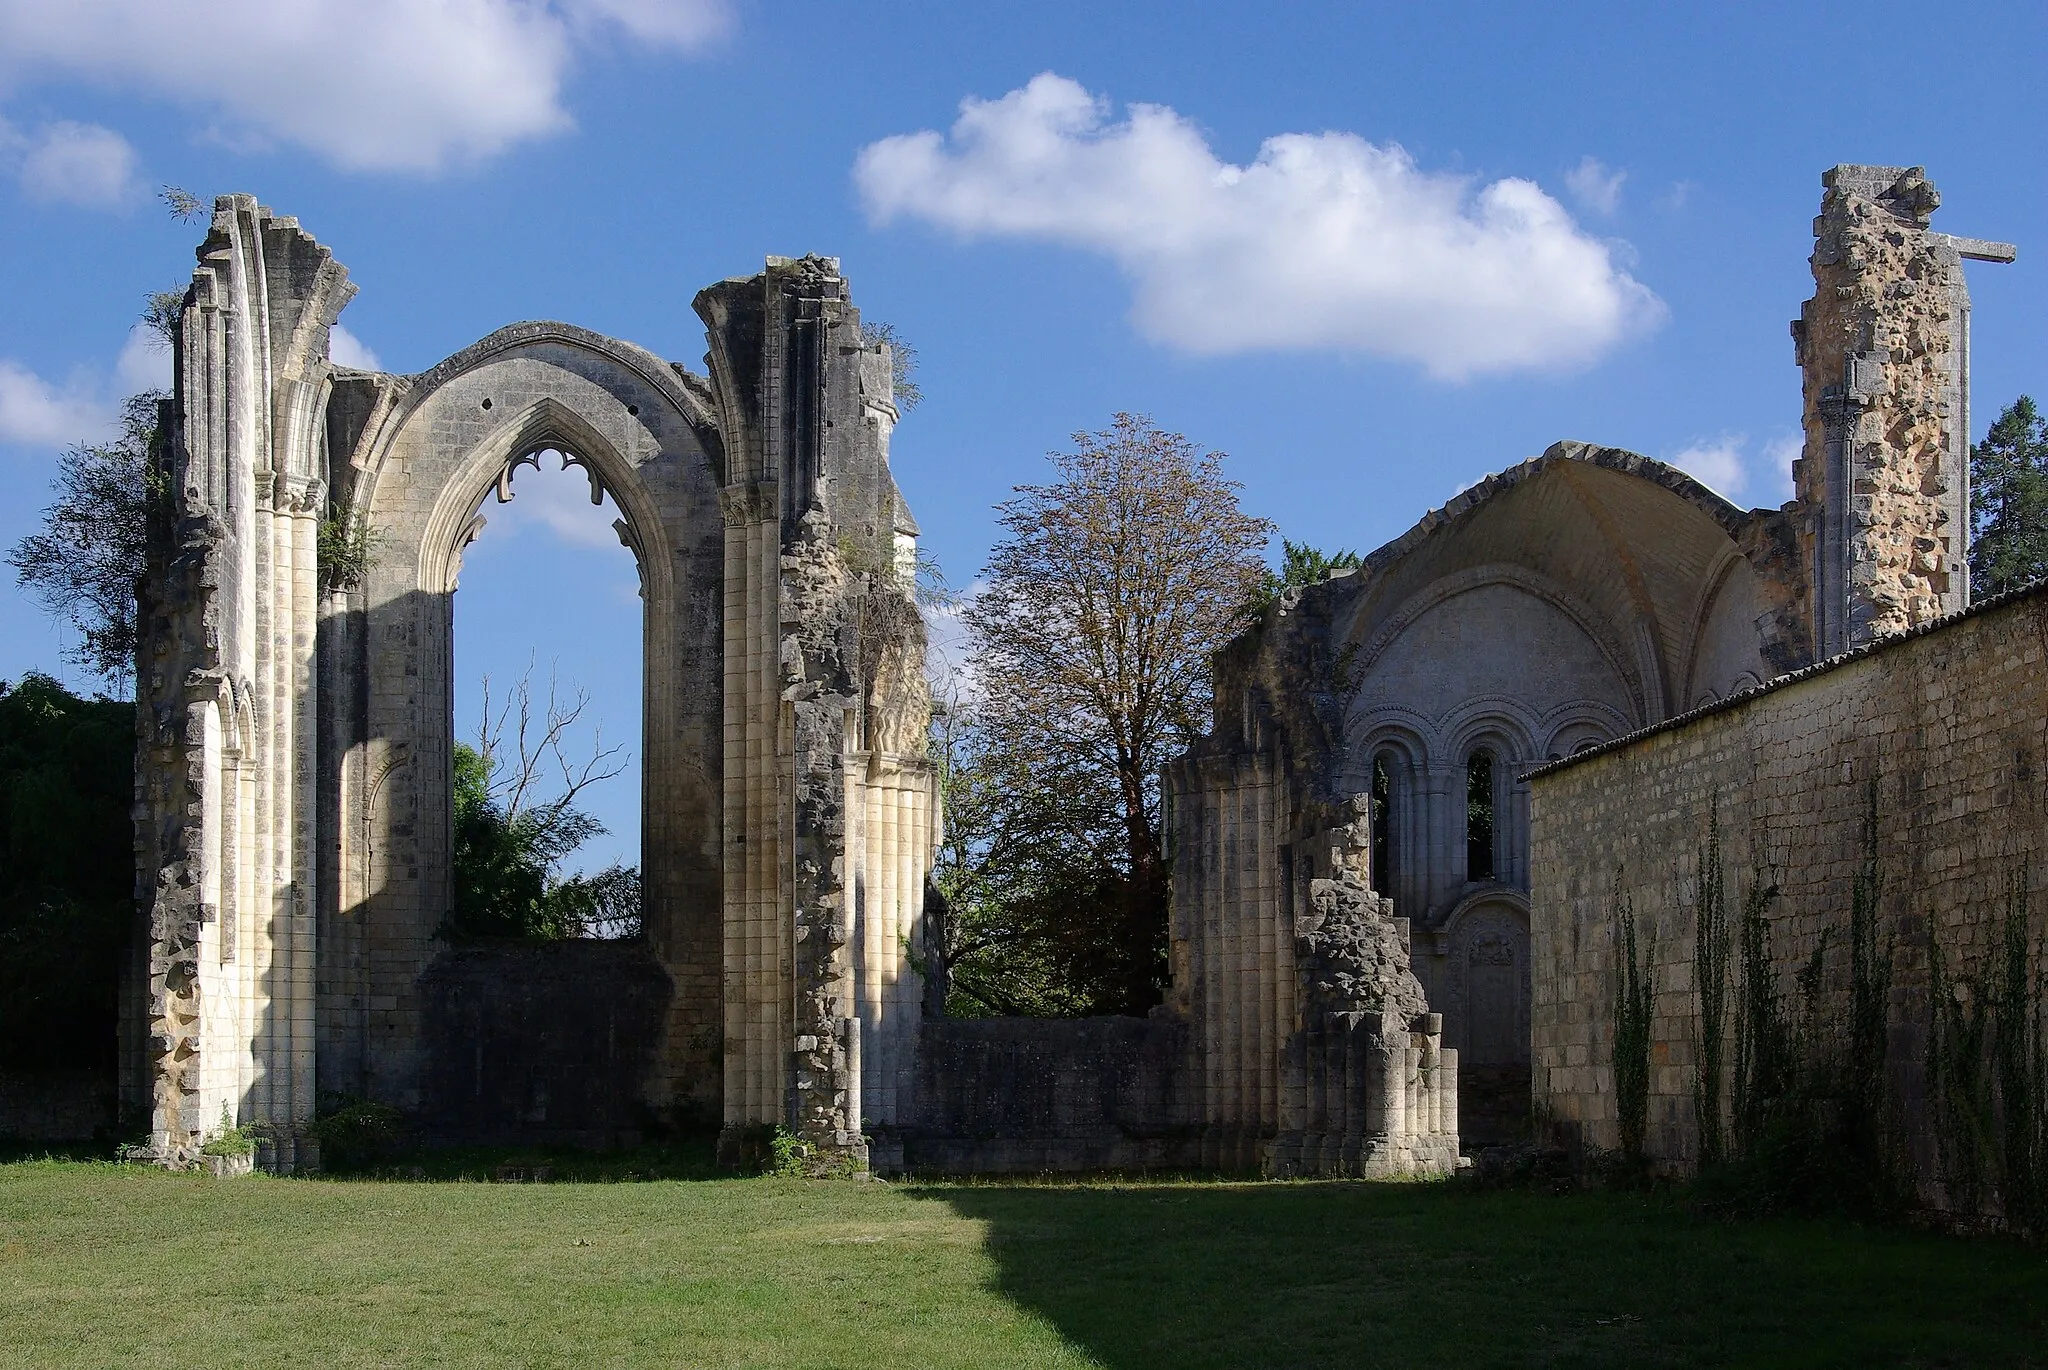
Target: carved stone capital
757	501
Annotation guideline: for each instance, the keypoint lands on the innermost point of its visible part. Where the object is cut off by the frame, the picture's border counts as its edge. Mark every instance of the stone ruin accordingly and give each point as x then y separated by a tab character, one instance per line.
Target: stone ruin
1369	751
295	725
1568	601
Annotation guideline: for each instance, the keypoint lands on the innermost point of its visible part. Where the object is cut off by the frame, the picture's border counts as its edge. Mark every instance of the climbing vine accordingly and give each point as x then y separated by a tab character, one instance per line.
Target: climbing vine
1634	1002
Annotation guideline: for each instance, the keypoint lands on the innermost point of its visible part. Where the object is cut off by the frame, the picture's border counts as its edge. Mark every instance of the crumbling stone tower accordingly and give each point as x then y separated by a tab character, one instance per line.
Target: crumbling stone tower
1884	344
294	723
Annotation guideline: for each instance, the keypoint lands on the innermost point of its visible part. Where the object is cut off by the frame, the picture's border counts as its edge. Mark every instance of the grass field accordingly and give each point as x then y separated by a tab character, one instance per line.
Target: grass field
105	1265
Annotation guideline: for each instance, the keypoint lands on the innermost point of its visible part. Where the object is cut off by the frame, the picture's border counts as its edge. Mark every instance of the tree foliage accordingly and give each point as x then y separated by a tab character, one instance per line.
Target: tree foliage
1300	567
2009	502
1090	645
512	835
82	567
67	879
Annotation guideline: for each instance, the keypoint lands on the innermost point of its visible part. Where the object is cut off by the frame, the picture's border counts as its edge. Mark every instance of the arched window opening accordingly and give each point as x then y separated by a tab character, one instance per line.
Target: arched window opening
1479	815
1383	824
548	644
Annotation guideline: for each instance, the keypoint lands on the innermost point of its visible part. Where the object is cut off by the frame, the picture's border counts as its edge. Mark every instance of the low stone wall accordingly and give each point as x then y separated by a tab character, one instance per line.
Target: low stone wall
541	1044
62	1106
1021	1095
1950	726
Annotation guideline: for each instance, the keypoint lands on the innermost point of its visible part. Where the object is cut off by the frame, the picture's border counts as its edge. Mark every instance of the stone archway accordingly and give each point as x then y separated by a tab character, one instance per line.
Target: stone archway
298	861
427	478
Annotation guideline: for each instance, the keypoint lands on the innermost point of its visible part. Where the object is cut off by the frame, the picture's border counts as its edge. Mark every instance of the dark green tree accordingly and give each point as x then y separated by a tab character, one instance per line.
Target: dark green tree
83	565
1300	566
2009	502
510	838
67	873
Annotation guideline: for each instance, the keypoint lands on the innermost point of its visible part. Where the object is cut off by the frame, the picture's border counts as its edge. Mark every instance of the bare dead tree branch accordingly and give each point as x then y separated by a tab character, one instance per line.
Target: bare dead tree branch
519	749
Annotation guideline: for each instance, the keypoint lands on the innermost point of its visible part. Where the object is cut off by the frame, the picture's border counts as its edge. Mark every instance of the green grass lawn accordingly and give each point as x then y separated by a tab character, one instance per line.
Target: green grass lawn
105	1265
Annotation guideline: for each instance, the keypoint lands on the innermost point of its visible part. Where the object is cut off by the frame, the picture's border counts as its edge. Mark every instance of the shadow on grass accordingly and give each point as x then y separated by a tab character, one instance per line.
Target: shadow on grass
1308	1274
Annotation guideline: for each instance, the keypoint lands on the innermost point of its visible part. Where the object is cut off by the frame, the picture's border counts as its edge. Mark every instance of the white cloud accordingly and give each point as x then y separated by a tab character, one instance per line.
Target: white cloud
368	84
555	502
1717	464
1776	466
947	645
346	349
1728	466
73	164
1595	185
1323	241
145	361
35	413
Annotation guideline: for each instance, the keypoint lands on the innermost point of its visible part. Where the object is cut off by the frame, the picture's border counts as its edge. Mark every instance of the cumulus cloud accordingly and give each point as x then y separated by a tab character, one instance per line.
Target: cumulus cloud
1728	466
1595	185
1716	465
368	84
145	361
73	164
35	413
555	502
346	349
1322	241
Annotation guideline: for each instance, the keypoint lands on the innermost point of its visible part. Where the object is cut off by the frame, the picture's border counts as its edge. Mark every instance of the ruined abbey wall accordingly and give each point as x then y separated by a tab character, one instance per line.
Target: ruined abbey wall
1944	728
294	734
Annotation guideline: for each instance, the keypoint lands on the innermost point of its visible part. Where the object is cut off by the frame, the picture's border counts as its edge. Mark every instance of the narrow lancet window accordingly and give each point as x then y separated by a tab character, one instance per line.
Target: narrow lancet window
1479	815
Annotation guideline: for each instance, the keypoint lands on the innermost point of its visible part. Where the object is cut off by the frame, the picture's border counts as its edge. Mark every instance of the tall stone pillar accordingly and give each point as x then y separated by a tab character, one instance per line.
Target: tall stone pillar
1884	347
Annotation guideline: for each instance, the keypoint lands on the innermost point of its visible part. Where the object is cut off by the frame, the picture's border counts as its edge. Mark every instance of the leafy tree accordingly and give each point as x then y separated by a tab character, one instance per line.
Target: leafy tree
1090	653
83	565
67	876
510	841
2009	502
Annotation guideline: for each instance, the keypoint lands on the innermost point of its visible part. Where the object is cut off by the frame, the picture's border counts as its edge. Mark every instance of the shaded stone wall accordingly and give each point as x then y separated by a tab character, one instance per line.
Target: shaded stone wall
551	1043
1021	1095
66	1106
1950	724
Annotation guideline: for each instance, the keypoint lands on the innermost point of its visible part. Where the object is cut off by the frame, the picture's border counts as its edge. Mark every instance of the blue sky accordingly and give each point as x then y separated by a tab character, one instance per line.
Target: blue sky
1500	226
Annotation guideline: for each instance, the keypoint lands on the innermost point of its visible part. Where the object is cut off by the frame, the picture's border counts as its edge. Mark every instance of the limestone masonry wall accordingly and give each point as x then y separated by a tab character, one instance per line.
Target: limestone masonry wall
1950	724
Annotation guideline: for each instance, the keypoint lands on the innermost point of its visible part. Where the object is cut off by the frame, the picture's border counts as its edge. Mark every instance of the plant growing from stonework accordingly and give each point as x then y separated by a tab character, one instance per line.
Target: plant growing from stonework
229	1140
1710	981
2022	1070
902	364
1868	1123
1634	1008
1764	1045
347	549
1987	1074
1300	567
1090	643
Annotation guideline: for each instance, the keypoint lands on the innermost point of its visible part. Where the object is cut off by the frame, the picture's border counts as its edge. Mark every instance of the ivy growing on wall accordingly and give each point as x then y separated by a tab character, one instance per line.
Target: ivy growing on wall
1634	1006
